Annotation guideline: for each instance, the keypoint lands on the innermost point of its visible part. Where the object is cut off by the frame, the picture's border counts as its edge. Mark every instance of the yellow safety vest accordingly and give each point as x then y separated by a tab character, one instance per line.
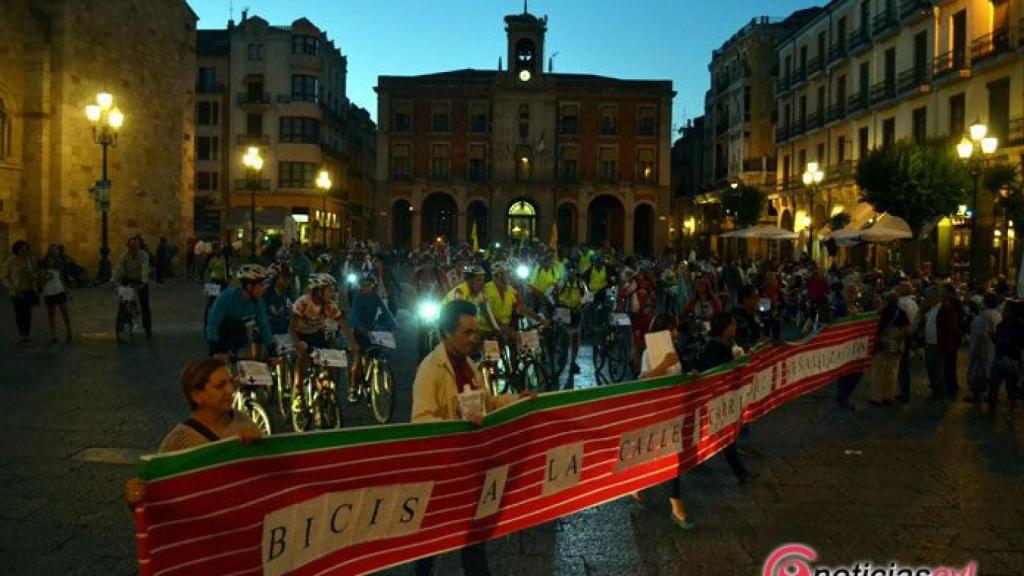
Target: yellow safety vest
544	279
502	305
598	279
462	292
570	296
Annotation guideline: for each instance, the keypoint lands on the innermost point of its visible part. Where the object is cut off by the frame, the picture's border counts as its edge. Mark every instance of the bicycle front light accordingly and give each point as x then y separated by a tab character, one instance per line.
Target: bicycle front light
429	311
523	272
352	279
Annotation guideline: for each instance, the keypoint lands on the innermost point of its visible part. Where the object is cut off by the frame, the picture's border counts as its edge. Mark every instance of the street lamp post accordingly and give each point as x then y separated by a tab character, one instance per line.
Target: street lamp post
323	182
253	163
812	177
106	120
977	139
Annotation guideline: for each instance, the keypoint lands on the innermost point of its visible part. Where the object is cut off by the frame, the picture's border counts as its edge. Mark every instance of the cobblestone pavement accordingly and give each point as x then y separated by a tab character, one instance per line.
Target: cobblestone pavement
926	483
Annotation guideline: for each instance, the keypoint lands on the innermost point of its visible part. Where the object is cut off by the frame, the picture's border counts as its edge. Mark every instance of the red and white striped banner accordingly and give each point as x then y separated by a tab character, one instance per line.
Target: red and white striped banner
355	501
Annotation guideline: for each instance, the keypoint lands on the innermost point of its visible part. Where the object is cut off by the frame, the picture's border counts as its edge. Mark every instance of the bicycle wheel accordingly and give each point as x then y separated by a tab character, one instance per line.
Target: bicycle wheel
327	408
255	411
382	392
283	387
531	377
618	356
302	419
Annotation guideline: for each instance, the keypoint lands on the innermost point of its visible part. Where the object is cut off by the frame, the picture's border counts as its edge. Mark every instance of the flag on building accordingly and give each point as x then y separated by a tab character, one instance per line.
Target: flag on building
476	246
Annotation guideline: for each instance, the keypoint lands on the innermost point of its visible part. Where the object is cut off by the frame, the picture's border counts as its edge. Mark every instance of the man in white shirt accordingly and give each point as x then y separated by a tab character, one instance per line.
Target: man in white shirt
932	355
909	306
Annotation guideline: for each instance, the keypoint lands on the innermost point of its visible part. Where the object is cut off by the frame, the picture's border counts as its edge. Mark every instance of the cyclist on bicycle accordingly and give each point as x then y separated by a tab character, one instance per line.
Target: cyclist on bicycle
472	290
308	326
569	294
368	313
544	277
239	313
279	309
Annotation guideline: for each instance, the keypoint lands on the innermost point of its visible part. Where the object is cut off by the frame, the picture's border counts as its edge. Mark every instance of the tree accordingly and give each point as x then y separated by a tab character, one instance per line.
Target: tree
744	203
919	183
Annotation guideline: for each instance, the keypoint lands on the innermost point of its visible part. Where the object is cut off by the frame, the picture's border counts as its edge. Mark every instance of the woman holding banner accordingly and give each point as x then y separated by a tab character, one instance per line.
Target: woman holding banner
209	389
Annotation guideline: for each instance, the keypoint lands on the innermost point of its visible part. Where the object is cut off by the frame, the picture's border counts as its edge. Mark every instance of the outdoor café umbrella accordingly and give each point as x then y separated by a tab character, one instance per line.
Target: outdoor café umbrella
886	229
762	232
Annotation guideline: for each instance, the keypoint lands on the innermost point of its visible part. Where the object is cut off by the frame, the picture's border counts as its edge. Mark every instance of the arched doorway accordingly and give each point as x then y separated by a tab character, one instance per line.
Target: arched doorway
643	230
401	224
477	214
522	220
786	246
605	222
438	218
567	224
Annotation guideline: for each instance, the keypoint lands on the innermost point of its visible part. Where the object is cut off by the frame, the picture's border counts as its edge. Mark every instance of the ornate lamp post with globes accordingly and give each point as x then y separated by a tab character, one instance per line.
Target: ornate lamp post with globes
977	140
106	120
323	182
812	177
253	163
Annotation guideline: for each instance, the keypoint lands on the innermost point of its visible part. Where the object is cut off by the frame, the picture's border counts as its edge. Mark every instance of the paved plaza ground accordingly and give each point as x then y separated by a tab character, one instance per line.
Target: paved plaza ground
926	483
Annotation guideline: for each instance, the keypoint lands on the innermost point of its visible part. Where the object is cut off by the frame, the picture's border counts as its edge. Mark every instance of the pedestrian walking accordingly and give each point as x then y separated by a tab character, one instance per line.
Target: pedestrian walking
911	309
1009	344
890	340
982	349
133	270
19	279
54	281
932	354
949	339
848	306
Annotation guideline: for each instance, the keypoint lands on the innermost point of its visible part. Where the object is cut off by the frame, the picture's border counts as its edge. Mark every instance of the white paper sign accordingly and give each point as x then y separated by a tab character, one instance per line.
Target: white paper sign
330	358
563	316
659	345
125	293
211	290
471	404
383	339
588	298
284	343
492	351
252	373
530	340
620	319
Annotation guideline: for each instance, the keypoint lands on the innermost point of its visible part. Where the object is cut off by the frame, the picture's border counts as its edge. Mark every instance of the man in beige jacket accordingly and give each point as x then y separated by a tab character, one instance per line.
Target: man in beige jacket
441	377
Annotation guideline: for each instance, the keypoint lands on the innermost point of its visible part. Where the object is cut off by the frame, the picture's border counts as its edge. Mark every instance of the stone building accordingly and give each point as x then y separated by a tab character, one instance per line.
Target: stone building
283	90
865	73
55	56
516	150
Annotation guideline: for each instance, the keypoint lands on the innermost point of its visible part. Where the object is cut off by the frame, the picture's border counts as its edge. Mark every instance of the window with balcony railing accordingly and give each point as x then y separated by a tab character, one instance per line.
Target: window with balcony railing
991	45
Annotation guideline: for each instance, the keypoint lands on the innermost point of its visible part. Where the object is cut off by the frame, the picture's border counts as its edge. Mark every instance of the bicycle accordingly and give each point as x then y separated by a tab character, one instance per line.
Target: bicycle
252	377
128	313
497	367
612	349
283	373
529	360
319	406
375	382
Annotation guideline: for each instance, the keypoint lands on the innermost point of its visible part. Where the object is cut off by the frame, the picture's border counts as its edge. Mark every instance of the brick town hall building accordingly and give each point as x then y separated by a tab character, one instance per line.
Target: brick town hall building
516	150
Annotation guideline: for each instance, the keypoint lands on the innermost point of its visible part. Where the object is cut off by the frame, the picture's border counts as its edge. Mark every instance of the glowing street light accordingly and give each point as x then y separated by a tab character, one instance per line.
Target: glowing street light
106	121
253	163
323	182
977	139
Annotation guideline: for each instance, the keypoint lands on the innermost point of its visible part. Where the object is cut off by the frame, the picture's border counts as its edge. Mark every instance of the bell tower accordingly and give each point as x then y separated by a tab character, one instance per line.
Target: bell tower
525	33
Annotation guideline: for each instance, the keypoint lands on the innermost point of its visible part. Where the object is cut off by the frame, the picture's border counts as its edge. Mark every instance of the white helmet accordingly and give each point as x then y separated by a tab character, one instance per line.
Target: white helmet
251	273
321	281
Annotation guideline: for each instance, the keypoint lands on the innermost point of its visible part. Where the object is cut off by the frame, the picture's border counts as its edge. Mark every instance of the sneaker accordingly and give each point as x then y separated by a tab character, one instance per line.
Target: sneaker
682	523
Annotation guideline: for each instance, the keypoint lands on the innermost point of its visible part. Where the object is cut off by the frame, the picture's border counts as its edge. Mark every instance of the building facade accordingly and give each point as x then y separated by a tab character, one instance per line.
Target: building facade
865	73
55	56
520	151
281	89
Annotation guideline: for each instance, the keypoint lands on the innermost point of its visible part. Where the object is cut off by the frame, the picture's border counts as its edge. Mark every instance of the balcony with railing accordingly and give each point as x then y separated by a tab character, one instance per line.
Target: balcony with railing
798	127
782	84
886	23
912	11
856	102
815	67
781	134
254	98
990	45
252	184
860	41
835	112
883	91
253	140
815	120
837	52
799	75
765	164
1015	131
950	62
916	78
840	171
209	87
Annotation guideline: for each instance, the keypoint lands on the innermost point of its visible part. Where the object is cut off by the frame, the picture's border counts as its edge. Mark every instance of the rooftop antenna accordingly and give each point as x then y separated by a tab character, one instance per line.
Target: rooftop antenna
526	10
551	62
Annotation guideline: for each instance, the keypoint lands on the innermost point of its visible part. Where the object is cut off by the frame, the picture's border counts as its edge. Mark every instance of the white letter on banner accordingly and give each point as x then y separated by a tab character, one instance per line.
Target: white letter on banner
650	443
715	414
410	508
762	384
563	468
342	509
307	540
374	518
492	491
696	427
278	527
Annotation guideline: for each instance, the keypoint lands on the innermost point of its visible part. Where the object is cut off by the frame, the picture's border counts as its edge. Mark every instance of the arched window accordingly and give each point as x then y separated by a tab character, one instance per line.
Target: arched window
522	220
5	131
